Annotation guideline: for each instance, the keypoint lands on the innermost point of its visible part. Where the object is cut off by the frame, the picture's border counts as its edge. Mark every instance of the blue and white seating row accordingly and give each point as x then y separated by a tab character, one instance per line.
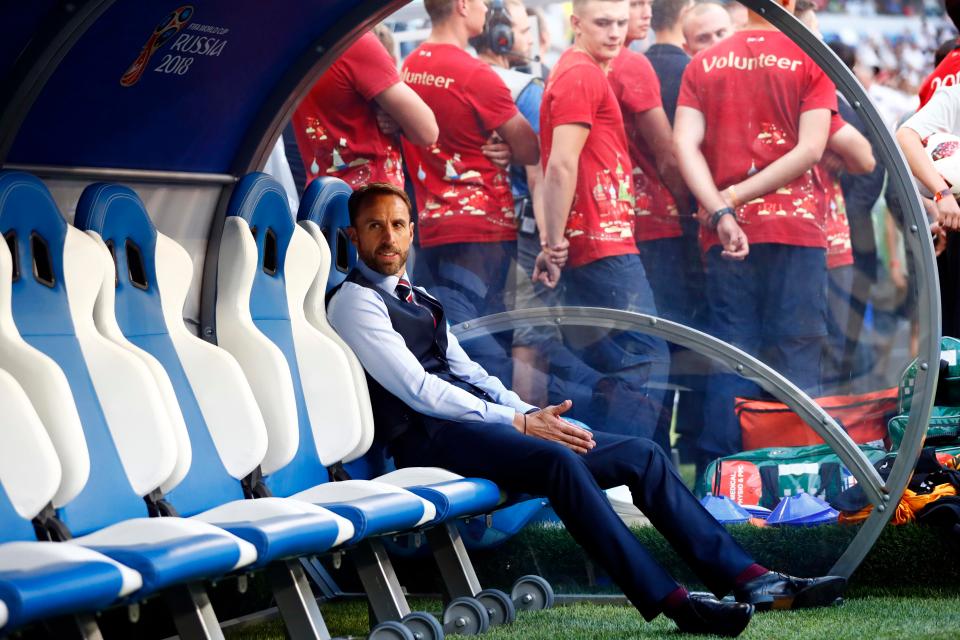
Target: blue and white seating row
123	435
272	281
113	441
153	274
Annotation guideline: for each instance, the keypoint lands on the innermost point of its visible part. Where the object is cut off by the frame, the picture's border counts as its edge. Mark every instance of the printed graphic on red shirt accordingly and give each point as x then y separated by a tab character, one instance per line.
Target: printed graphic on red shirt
336	124
752	88
462	196
600	223
946	74
834	207
637	88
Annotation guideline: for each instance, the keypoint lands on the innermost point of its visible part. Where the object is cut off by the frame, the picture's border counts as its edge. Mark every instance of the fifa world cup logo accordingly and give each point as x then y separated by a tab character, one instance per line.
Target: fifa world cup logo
171	26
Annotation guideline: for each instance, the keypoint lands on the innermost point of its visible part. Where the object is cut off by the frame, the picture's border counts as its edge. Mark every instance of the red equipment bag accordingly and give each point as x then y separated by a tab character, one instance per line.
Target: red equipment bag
766	423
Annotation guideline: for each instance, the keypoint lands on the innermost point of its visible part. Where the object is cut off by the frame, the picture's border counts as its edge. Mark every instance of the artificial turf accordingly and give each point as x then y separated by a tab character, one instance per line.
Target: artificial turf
869	617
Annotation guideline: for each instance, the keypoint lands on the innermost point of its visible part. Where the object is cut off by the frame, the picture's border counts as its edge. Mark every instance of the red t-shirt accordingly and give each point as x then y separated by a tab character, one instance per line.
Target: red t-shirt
834	208
947	73
462	196
637	88
336	123
600	224
752	88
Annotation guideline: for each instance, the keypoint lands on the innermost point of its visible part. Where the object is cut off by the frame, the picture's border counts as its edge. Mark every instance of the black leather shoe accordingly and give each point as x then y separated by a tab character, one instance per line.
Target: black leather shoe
707	615
779	591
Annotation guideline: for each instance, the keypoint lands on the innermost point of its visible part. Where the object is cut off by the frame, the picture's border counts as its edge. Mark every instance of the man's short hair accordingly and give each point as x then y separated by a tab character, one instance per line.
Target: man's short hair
701	8
438	10
372	190
578	4
666	13
944	50
845	52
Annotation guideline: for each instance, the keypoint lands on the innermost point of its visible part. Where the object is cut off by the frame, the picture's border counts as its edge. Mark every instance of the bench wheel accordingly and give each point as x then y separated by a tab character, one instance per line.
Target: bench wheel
532	593
465	616
499	606
390	630
423	625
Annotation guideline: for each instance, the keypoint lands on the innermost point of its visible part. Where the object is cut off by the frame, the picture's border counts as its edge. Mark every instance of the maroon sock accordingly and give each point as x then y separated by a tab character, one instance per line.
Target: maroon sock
753	571
674	601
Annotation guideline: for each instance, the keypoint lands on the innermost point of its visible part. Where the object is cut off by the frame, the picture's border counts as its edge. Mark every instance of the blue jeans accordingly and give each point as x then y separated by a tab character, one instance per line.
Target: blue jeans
469	279
772	305
629	397
566	375
674	269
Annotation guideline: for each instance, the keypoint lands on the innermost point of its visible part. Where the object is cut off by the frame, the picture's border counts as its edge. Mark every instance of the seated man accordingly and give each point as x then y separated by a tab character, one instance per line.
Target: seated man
433	406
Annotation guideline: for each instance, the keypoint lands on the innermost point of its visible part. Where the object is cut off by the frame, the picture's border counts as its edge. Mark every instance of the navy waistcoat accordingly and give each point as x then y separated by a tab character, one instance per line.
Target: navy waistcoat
427	340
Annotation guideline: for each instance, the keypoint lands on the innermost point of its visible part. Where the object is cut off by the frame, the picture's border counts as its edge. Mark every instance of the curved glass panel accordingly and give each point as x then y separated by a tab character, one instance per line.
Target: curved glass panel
736	267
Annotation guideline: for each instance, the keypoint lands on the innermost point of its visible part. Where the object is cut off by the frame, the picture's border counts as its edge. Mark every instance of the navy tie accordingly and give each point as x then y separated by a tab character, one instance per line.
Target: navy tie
405	291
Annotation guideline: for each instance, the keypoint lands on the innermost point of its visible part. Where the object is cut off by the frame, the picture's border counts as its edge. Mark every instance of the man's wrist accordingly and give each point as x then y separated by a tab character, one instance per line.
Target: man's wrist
943	193
718	215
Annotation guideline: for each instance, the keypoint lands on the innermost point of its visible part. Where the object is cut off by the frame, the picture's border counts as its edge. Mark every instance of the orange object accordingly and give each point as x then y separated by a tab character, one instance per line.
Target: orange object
903	515
765	424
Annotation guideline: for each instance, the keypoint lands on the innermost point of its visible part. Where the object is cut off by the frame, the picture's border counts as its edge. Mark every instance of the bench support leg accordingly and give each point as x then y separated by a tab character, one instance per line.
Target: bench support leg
380	582
193	614
297	604
456	569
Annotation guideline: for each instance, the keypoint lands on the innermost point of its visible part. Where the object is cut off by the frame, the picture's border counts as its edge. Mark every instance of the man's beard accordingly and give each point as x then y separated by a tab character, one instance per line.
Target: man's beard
370	259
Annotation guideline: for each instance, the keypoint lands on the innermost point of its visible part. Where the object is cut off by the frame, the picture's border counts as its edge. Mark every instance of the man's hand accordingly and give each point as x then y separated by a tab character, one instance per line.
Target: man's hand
732	238
939	238
948	213
388	126
546	270
497	151
558	253
548	425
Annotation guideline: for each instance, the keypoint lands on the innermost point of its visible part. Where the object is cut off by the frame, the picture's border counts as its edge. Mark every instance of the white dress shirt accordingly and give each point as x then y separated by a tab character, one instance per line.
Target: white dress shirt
360	317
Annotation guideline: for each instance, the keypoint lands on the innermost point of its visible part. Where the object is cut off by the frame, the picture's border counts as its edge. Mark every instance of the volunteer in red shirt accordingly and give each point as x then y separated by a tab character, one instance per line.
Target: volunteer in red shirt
336	124
656	224
947	72
588	217
752	120
466	219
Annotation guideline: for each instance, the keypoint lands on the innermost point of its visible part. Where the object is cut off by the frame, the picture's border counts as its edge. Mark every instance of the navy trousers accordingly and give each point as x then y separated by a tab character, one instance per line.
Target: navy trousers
574	484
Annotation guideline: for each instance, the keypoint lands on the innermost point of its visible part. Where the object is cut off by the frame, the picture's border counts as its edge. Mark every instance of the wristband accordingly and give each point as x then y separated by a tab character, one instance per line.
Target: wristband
943	193
719	213
733	196
524	424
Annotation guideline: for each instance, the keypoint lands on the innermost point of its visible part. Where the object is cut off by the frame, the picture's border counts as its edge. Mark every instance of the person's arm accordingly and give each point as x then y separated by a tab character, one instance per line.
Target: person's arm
559	187
688	132
921	166
655	129
812	140
416	119
360	317
524	146
463	367
853	149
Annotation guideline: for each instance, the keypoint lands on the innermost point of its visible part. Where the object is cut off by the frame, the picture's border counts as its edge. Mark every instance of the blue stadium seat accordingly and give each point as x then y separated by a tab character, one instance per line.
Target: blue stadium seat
39	579
130	448
42	579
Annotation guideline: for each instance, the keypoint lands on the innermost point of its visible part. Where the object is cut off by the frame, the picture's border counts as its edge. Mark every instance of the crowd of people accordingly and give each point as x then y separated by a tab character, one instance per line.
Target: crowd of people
717	180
